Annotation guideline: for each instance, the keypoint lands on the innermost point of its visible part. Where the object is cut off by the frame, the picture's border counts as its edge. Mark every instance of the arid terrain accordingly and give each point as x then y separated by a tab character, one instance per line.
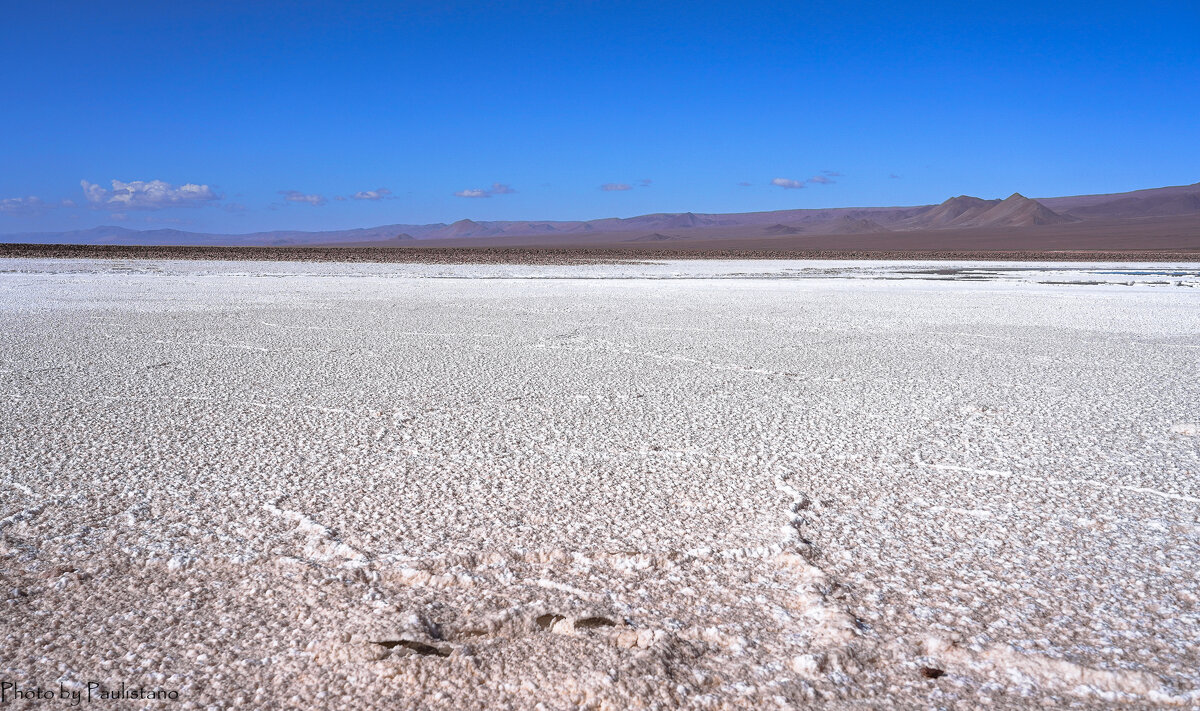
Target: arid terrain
663	484
1154	220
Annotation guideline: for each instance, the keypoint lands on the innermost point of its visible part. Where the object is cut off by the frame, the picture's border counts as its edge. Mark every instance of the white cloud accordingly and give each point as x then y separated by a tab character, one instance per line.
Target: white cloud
821	180
31	205
297	196
612	187
94	193
787	183
376	194
68	202
148	195
496	189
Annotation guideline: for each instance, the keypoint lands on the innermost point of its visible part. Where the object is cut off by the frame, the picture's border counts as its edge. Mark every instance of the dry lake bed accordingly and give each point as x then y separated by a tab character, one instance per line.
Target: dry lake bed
648	485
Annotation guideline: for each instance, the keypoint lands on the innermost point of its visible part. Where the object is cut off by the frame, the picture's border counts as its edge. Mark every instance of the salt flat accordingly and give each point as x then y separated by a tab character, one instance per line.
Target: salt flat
681	484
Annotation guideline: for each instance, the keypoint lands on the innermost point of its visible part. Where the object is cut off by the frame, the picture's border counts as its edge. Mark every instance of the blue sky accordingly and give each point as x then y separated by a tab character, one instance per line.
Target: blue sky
235	117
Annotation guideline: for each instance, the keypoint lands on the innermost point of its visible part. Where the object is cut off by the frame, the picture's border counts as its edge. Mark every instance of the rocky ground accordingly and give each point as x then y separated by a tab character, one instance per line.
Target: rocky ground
559	254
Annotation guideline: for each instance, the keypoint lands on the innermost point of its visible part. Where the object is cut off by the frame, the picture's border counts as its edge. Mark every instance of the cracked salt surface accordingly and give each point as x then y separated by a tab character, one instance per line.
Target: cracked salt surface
682	484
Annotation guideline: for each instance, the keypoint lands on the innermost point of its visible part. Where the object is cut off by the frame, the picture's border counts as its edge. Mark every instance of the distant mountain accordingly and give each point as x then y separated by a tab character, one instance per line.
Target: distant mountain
683	221
963	212
951	213
467	228
848	225
1155	202
1018	211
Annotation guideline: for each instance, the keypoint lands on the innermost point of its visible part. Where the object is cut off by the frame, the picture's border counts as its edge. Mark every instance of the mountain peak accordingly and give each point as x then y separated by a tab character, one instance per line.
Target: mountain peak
1017	211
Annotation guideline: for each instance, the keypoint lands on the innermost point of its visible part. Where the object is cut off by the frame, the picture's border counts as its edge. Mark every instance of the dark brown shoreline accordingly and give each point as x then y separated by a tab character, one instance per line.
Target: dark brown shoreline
561	255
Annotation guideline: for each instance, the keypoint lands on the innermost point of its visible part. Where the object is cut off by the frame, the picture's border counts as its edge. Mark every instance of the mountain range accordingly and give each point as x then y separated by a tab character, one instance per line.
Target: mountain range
1173	212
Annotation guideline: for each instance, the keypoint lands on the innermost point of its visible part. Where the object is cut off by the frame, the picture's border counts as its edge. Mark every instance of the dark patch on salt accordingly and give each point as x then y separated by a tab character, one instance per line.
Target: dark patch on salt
547	621
588	623
418	647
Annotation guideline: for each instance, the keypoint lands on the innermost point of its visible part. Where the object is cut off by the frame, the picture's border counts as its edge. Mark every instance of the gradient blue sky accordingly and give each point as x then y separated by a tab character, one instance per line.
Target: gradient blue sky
893	103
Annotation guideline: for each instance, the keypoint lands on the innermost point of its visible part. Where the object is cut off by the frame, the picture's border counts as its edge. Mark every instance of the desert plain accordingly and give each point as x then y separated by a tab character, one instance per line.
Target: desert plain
649	484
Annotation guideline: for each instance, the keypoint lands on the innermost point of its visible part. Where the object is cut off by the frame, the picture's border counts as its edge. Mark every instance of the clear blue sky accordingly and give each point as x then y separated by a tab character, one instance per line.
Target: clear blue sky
891	103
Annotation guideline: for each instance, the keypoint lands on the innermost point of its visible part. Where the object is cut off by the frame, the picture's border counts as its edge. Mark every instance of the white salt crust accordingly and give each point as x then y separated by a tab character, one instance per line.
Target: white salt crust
671	485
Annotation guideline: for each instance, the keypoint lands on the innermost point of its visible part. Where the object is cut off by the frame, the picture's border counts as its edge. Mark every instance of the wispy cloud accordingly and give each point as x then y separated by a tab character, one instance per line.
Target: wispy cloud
745	184
496	189
376	194
148	195
31	205
831	173
644	183
787	183
893	176
613	187
821	180
297	196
